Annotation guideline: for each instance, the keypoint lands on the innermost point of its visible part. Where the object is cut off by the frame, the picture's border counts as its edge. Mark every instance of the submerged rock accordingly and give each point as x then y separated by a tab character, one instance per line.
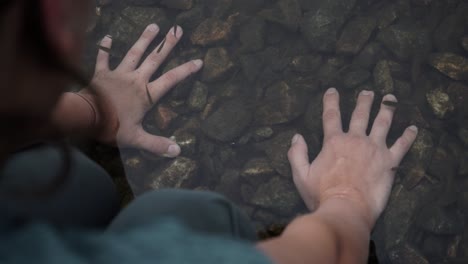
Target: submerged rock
278	195
441	221
368	55
187	142
404	253
178	4
218	65
405	40
383	78
355	35
263	133
281	104
440	103
355	77
386	15
198	97
128	26
464	43
306	63
212	31
321	23
252	35
287	13
452	65
228	121
257	170
276	150
179	174
164	116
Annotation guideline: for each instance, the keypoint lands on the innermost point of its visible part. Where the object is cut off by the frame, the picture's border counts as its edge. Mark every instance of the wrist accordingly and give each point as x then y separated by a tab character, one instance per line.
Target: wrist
343	208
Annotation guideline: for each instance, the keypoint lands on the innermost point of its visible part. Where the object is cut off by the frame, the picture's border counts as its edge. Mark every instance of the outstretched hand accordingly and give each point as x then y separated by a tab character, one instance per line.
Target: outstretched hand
352	165
124	95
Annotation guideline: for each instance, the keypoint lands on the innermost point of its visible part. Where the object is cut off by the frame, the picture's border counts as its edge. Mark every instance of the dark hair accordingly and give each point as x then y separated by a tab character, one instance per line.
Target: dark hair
38	47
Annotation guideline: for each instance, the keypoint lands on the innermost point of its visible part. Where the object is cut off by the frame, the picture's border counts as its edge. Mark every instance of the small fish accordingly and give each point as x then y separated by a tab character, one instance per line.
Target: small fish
390	103
104	49
161	46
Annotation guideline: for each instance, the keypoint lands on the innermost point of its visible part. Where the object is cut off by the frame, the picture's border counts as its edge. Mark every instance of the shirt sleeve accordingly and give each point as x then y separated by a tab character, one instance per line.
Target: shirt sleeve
165	243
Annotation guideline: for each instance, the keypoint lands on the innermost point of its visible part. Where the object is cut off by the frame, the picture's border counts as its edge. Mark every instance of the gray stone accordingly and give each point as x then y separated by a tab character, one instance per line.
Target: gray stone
263	133
440	103
386	16
198	97
278	195
307	63
452	65
329	72
405	253
369	55
179	174
322	22
464	43
190	19
449	32
313	115
383	78
422	148
252	35
218	65
405	40
281	104
402	88
287	13
440	221
187	141
276	150
228	121
355	77
355	35
228	184
257	170
133	20
458	93
178	4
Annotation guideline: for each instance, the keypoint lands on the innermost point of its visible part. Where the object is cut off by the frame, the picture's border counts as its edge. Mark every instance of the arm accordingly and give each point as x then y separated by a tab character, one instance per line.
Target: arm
335	233
75	114
346	187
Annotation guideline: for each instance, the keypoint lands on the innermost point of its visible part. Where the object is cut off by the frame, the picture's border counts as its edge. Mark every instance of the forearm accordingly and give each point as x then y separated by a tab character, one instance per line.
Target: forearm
335	233
75	114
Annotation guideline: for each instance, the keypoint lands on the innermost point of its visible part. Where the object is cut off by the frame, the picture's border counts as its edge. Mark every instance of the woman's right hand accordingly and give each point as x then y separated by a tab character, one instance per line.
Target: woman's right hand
352	166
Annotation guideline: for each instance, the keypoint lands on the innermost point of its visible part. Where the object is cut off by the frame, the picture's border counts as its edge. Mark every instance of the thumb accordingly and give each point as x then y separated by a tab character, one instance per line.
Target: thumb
298	157
158	145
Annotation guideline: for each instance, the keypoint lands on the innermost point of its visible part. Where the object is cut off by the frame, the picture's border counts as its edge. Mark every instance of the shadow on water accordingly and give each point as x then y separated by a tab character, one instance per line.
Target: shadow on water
267	63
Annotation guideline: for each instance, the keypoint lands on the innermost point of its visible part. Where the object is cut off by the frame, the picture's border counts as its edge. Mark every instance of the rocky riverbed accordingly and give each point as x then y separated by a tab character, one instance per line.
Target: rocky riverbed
267	64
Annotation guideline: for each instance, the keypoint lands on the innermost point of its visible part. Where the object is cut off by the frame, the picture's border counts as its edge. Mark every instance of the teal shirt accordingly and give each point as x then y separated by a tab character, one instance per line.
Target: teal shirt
165	242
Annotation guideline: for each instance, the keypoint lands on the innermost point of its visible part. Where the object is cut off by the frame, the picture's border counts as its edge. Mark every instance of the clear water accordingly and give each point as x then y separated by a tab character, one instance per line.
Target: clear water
279	59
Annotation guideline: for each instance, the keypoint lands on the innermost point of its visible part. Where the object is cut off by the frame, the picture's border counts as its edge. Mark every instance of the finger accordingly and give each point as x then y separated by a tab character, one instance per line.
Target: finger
102	60
360	117
403	143
298	157
383	121
163	84
160	53
133	57
331	116
158	145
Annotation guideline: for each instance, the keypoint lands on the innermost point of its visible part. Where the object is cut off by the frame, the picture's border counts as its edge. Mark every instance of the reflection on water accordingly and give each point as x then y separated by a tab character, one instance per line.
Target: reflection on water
267	63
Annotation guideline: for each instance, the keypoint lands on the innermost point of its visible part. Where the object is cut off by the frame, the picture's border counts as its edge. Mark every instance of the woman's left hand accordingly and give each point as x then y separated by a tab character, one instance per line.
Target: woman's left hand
124	95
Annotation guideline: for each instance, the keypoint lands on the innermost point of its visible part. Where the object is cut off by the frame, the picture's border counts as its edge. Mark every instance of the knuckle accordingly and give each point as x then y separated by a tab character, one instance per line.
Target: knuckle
382	122
360	114
330	114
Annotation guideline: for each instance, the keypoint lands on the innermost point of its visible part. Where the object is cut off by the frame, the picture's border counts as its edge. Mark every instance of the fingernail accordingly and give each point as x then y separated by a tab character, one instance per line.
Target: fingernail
198	63
295	138
177	31
109	36
391	97
173	151
366	92
331	90
153	28
413	128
